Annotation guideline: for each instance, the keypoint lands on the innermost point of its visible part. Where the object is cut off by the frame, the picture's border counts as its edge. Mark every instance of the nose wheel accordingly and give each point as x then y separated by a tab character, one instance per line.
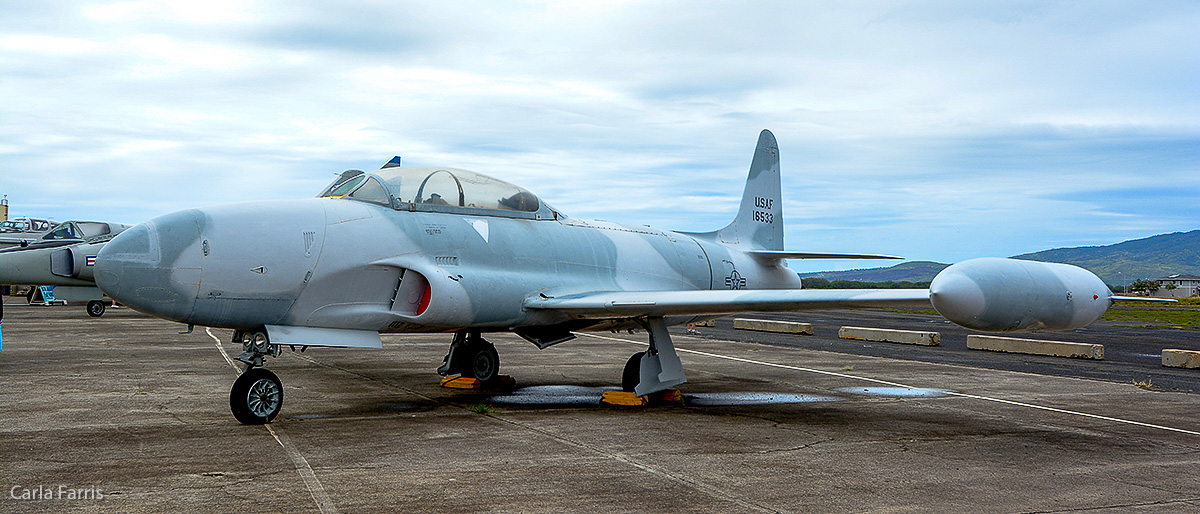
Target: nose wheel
257	394
256	397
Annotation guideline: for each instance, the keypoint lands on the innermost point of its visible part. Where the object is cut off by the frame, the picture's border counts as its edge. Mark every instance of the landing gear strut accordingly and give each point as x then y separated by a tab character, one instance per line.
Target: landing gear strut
656	369
471	355
257	394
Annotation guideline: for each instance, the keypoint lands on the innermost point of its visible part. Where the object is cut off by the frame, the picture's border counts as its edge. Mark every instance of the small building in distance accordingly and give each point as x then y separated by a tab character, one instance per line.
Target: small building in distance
1185	286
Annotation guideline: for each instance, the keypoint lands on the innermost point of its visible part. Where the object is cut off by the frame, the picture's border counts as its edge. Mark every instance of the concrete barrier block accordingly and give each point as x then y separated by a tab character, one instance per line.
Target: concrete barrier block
1181	358
1036	347
891	336
764	325
706	323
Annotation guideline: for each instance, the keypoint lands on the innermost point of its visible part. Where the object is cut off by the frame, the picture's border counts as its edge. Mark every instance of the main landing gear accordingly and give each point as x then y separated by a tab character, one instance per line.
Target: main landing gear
257	394
95	308
656	369
472	356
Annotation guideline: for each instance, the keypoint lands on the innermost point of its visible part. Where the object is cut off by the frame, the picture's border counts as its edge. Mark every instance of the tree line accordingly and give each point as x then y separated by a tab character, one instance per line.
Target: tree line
1142	285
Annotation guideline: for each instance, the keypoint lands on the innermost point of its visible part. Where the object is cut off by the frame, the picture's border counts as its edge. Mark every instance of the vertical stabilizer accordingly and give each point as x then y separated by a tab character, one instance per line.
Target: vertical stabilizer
759	221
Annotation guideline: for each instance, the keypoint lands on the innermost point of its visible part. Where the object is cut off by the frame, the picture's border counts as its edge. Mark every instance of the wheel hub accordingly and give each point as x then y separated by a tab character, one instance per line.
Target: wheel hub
263	398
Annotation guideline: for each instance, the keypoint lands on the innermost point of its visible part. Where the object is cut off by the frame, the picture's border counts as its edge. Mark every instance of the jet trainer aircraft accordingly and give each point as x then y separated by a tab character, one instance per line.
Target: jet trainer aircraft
433	249
62	256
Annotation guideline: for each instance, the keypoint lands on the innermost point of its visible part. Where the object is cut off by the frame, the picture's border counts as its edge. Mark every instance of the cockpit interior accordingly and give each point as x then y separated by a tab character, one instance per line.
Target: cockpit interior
436	189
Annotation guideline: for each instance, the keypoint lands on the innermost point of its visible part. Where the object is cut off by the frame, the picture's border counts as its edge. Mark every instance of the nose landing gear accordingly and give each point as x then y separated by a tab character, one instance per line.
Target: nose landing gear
256	397
257	394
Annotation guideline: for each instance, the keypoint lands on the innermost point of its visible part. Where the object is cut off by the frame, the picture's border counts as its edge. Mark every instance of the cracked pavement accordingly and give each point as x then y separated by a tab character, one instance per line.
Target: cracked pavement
125	404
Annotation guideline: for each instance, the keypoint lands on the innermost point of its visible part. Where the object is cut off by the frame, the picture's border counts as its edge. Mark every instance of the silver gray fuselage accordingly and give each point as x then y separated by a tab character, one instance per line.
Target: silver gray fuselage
342	263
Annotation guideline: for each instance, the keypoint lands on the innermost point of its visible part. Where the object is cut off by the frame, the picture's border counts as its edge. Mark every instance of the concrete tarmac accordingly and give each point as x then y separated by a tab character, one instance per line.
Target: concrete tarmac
1131	354
122	413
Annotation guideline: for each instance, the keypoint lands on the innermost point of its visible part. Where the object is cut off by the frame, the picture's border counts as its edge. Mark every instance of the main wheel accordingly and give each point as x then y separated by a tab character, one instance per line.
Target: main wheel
256	397
484	363
95	308
633	372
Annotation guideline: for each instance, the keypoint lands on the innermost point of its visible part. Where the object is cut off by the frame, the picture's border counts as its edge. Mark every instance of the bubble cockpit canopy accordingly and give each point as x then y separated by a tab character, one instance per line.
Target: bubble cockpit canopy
437	189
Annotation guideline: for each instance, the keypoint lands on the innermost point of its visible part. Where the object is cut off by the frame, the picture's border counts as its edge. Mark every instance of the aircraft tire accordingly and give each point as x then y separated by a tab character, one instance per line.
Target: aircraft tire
485	362
95	308
256	397
633	372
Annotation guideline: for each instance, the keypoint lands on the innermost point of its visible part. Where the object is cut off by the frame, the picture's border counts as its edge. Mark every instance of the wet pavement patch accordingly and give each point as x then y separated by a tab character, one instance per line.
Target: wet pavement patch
552	395
400	406
366	409
567	395
752	398
311	416
896	392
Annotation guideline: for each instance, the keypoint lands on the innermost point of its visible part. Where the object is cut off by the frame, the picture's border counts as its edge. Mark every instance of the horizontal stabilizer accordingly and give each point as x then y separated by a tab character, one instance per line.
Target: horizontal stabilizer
332	337
620	304
767	256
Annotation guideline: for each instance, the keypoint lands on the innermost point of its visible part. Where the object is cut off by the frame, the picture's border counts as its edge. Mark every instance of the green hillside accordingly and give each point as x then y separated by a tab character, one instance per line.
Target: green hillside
1152	257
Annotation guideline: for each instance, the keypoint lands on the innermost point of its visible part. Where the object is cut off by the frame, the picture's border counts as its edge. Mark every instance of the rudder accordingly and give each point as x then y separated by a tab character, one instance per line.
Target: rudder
759	221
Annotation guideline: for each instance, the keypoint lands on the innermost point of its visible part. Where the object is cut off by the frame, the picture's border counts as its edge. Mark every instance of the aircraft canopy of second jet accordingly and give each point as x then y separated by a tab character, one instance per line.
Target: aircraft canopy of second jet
439	189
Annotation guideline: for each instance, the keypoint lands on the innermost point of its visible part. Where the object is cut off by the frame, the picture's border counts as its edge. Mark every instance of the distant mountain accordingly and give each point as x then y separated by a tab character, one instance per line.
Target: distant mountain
916	271
1151	257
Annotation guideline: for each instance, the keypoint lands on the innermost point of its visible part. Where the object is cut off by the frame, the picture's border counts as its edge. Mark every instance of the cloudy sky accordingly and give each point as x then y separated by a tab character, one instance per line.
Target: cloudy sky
933	130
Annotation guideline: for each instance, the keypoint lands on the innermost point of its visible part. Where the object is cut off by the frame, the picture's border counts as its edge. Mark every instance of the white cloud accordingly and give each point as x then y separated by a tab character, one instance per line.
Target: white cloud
207	12
47	44
931	130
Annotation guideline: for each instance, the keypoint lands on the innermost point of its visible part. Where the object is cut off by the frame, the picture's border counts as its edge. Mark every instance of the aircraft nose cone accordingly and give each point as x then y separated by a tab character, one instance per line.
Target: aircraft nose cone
957	297
150	267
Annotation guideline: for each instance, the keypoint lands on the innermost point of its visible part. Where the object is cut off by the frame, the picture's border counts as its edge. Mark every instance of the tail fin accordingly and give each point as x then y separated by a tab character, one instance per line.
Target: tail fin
759	221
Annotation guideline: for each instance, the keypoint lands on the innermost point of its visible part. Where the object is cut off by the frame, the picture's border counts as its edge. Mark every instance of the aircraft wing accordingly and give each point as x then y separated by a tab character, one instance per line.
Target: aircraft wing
627	304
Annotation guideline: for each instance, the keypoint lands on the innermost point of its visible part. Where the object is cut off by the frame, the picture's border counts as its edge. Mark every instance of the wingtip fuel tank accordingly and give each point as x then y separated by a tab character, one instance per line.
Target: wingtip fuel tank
1009	295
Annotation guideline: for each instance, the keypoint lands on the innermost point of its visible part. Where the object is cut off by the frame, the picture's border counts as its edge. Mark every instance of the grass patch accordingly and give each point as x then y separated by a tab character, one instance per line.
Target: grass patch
1154	317
480	408
1143	384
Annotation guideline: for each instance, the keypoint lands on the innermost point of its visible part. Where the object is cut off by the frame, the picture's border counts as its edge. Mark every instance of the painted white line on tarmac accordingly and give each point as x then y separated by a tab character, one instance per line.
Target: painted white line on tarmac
324	503
306	472
223	352
895	384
